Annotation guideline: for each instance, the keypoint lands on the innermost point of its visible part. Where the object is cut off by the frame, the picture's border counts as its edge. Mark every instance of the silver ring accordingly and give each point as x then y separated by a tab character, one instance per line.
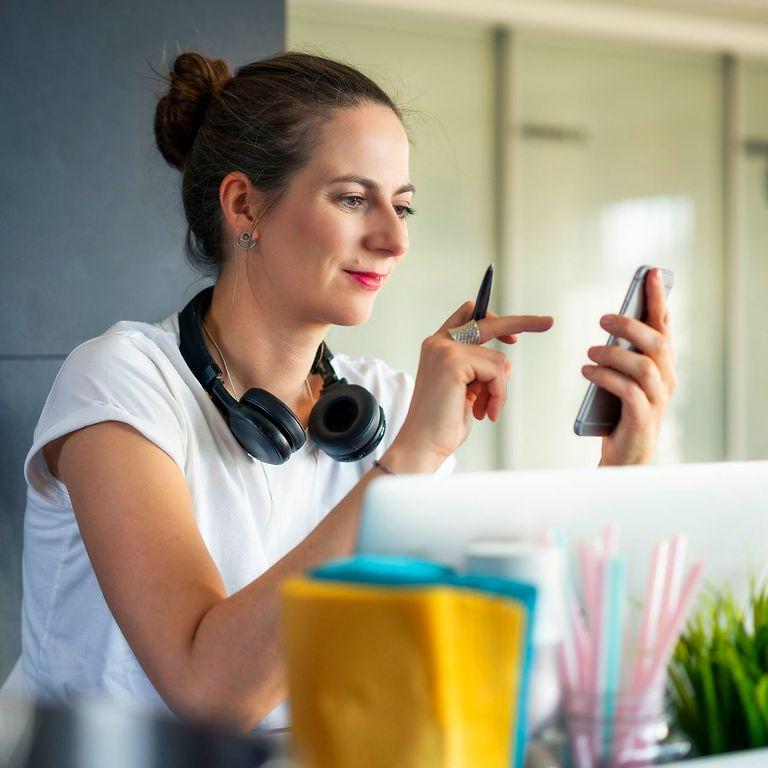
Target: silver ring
469	333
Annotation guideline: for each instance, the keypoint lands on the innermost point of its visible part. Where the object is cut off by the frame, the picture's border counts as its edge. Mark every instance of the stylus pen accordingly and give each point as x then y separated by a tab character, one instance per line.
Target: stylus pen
484	294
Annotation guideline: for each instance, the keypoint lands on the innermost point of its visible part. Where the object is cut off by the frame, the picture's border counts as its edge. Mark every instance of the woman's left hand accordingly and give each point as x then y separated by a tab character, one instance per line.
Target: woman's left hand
643	380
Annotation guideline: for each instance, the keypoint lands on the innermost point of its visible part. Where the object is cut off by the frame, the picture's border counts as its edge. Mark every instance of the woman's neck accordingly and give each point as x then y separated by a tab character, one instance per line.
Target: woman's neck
262	345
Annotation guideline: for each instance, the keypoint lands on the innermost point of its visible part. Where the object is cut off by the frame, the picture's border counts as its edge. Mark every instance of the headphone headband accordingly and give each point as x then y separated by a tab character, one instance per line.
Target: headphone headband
195	351
193	348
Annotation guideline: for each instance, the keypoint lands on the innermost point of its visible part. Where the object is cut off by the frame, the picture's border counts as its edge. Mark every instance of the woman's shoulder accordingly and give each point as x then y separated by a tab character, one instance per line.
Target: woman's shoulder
126	343
122	375
127	358
129	367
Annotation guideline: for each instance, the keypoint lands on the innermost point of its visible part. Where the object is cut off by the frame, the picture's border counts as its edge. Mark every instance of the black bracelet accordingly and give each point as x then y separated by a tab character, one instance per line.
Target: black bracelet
385	470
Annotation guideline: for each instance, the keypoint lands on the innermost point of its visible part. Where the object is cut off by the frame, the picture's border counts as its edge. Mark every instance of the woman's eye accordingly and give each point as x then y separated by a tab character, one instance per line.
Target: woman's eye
352	201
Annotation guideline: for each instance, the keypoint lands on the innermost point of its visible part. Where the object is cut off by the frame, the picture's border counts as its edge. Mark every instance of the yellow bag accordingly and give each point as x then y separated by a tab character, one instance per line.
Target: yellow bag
403	677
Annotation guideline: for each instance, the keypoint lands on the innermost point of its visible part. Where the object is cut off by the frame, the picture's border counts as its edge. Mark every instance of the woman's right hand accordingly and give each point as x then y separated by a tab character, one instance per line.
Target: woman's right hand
455	384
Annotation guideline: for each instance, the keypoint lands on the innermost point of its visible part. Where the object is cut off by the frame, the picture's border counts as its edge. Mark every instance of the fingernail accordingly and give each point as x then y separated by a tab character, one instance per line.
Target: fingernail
587	369
608	319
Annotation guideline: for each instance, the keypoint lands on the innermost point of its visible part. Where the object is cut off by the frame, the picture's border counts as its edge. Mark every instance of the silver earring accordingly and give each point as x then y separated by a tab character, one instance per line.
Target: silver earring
245	241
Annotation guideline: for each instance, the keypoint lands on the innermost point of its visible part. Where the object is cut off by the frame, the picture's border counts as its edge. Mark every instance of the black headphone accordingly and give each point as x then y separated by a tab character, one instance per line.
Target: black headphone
346	422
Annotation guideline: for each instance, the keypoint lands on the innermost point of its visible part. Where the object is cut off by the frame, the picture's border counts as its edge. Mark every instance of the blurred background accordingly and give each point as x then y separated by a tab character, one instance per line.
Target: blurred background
566	142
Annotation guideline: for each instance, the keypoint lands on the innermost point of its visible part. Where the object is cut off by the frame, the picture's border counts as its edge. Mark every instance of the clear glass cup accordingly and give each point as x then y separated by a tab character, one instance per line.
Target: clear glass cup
620	730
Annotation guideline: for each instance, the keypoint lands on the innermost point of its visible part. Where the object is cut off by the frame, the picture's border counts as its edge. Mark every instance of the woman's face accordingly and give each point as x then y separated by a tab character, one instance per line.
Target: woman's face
333	240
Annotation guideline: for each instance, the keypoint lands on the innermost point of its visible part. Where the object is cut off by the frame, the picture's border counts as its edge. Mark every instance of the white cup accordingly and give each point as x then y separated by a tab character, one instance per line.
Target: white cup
542	566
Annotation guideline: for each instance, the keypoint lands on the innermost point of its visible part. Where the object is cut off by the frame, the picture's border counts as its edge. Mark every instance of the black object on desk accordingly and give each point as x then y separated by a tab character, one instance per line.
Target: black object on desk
100	735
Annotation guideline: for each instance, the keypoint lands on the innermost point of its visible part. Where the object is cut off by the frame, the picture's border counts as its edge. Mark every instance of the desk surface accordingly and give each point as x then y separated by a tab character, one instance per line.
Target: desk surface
751	758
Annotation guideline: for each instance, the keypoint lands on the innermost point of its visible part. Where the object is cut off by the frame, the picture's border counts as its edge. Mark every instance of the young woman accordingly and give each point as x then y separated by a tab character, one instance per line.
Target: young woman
170	487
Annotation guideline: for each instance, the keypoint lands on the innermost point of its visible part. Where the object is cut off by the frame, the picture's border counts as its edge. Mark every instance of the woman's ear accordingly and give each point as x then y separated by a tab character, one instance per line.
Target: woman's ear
240	203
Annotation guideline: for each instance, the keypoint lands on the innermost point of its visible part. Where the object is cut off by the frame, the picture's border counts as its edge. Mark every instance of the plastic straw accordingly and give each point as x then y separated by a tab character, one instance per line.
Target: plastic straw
654	597
611	539
597	621
583	645
569	661
672	630
613	644
599	631
678	551
589	578
574	612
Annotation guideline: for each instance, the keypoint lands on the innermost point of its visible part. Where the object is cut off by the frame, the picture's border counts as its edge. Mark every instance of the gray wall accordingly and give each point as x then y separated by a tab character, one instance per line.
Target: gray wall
91	229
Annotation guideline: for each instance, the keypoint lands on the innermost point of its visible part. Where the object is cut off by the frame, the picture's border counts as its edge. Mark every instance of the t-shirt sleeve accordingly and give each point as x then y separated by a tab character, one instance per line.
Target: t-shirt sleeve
110	378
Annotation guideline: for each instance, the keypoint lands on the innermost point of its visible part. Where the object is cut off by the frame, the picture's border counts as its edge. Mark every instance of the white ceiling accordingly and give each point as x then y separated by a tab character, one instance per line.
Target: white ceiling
732	10
720	26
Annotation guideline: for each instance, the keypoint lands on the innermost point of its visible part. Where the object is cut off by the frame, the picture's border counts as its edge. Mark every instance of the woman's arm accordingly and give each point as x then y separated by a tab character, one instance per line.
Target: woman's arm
210	656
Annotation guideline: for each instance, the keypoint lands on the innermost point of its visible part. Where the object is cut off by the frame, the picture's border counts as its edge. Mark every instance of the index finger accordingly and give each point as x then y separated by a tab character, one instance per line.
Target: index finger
495	327
507	338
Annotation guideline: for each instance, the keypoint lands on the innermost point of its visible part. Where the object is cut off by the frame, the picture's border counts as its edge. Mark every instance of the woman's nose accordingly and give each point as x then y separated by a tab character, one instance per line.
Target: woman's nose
389	234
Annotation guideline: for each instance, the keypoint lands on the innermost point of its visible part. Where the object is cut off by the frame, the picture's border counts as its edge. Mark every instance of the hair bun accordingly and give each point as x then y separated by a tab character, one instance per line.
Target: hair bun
194	82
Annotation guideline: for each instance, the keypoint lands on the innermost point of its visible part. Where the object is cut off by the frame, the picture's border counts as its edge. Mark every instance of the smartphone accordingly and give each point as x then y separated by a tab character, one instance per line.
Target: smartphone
600	411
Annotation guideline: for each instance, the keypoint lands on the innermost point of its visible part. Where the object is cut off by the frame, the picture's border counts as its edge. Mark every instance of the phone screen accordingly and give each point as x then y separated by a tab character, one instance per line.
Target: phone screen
600	410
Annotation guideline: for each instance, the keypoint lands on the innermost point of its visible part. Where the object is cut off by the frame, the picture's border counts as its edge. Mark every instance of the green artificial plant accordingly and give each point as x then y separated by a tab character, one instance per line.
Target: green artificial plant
719	674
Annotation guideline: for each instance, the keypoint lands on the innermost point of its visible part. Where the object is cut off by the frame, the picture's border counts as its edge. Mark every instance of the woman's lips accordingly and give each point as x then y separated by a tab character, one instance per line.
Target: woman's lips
368	280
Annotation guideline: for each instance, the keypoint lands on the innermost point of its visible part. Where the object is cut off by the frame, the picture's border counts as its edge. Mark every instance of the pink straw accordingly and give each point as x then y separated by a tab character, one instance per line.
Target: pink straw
589	575
611	539
583	648
654	598
672	629
678	552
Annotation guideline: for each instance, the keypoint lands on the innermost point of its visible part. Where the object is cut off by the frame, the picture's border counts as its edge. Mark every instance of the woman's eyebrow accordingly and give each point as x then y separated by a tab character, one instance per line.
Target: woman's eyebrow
371	184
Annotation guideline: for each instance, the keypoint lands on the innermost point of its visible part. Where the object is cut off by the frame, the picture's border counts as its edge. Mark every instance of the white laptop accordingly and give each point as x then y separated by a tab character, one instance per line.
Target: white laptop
721	507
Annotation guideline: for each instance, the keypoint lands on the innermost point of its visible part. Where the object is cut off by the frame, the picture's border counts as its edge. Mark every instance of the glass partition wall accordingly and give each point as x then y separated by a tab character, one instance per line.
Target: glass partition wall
750	315
442	75
568	164
617	162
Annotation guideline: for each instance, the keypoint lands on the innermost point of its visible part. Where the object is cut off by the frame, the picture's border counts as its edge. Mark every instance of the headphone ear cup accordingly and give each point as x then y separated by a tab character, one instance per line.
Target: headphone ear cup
258	435
347	422
253	427
278	415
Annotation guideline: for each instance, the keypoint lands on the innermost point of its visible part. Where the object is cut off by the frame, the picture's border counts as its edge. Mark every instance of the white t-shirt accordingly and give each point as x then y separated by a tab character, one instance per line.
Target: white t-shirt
134	373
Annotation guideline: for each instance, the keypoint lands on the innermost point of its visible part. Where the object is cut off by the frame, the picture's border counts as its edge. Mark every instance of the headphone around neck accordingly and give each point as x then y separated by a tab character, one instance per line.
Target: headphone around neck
346	422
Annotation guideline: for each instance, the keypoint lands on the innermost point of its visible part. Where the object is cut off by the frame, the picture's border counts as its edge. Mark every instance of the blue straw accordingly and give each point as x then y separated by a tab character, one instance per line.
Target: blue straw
612	644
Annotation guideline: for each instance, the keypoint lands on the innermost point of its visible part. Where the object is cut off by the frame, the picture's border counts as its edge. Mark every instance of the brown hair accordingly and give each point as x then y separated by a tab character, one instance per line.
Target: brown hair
260	121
